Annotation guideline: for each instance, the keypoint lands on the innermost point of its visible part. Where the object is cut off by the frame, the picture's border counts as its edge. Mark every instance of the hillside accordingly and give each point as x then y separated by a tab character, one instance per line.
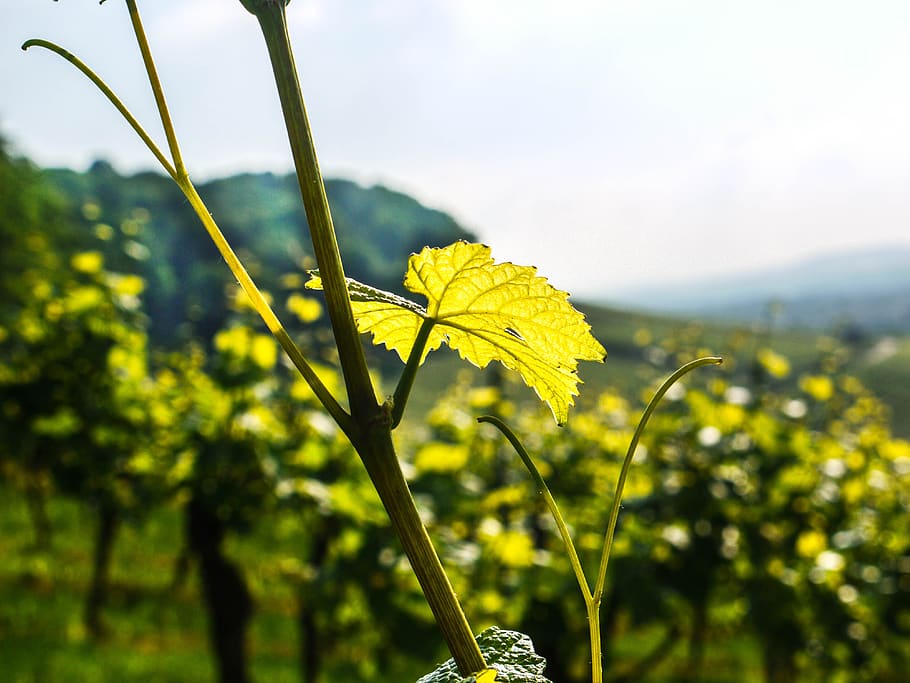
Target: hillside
865	289
147	226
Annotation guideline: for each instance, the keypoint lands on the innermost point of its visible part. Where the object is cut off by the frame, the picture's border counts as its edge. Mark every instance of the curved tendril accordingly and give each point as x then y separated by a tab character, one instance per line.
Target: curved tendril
548	497
104	88
180	177
621	482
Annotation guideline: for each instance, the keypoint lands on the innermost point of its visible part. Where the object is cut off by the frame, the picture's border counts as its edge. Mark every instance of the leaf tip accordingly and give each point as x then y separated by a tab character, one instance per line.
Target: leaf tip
315	281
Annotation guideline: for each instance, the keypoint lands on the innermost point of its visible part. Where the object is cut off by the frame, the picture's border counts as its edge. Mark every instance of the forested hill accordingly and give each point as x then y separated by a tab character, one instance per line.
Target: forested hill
146	226
863	289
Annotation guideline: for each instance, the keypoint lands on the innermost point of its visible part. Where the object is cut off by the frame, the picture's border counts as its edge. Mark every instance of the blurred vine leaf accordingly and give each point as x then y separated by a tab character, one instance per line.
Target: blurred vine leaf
486	311
509	653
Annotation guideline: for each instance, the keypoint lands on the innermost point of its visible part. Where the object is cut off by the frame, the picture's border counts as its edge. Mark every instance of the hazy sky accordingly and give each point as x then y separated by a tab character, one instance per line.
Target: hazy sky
609	143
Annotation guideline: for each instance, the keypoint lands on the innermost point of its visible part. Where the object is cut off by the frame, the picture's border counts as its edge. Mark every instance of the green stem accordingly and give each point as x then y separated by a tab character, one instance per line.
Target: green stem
409	374
105	89
157	90
273	22
593	607
378	455
373	440
544	490
627	462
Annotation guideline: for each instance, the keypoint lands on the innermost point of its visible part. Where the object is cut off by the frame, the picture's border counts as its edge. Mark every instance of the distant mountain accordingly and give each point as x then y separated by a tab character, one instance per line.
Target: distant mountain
146	226
866	289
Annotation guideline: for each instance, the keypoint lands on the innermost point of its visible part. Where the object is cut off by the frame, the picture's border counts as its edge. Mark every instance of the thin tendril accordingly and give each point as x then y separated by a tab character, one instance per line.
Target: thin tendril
621	482
105	89
544	490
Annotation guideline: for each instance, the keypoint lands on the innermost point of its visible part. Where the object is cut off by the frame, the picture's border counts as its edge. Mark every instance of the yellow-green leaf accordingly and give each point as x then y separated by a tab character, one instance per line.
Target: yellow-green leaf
486	311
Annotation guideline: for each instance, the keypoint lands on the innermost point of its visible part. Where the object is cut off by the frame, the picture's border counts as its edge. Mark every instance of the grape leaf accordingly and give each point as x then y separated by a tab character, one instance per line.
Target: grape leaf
486	311
510	653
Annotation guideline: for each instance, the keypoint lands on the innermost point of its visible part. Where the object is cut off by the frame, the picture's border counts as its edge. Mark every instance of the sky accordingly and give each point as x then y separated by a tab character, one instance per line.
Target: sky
611	143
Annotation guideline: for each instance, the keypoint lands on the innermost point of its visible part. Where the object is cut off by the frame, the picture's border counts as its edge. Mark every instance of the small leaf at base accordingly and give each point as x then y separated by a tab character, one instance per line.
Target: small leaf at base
509	654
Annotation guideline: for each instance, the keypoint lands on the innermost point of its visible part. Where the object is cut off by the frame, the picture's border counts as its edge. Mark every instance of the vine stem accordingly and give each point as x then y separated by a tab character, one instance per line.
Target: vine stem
341	417
597	670
273	22
373	422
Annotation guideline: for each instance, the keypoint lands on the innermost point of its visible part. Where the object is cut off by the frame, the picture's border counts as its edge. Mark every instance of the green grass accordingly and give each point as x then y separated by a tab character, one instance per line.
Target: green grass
154	635
727	659
160	636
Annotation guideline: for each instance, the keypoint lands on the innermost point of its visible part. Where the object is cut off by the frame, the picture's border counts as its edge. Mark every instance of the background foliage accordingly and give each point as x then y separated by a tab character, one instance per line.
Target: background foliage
766	535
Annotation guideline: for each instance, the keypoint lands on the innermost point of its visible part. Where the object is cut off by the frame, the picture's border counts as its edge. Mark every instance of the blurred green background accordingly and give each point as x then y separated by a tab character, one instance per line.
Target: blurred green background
174	506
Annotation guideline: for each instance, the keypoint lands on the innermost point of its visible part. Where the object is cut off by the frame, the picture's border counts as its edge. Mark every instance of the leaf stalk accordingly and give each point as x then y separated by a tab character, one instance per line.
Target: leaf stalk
409	374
